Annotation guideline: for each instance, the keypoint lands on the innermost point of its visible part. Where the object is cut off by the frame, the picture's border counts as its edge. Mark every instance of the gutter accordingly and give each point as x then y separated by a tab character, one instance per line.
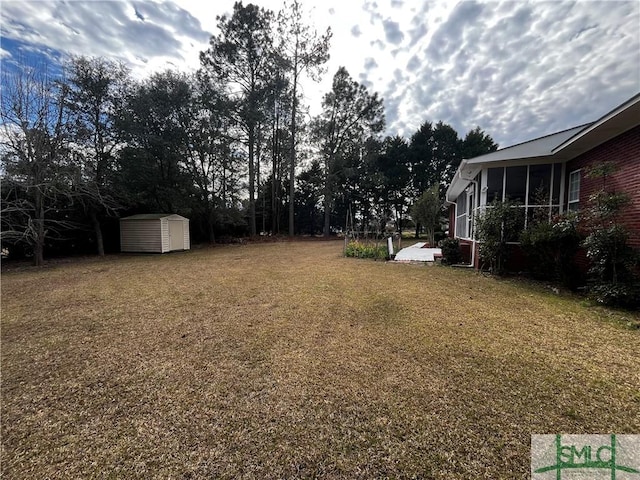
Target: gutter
463	163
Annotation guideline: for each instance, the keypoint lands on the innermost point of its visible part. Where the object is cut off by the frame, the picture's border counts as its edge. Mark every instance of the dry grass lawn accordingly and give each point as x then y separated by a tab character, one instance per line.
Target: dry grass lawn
286	360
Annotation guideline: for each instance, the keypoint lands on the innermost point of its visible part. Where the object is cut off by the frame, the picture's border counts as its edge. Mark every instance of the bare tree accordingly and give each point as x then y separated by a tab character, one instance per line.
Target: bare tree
95	88
35	157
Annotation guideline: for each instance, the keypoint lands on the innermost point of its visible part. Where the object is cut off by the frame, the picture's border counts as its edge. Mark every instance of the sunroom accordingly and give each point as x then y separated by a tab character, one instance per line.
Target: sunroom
528	174
543	176
535	188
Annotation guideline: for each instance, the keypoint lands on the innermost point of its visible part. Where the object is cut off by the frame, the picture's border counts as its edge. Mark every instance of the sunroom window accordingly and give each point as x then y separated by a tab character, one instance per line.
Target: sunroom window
461	216
539	185
495	184
516	184
536	188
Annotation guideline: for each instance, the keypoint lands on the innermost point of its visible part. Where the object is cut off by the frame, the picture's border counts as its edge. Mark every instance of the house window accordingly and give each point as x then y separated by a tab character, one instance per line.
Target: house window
574	191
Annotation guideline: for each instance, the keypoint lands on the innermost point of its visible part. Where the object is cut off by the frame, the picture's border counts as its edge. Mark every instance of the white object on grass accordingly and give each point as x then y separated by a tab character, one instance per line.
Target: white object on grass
417	253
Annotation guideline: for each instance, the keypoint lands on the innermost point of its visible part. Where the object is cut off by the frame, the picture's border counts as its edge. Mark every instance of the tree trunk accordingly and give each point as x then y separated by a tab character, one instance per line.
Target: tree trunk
38	248
252	182
431	237
399	218
417	229
275	171
210	223
327	215
97	230
292	160
257	172
327	207
211	232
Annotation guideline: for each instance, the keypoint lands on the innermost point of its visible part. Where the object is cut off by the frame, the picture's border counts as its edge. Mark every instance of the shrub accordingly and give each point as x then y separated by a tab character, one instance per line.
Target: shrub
450	251
567	242
362	250
612	267
499	224
427	211
615	294
613	276
550	249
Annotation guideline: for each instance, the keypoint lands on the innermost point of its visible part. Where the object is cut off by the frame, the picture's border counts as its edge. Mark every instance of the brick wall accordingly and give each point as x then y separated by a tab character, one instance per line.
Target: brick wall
625	151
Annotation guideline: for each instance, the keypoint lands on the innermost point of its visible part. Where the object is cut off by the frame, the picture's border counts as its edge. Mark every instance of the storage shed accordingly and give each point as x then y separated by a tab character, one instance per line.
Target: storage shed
154	233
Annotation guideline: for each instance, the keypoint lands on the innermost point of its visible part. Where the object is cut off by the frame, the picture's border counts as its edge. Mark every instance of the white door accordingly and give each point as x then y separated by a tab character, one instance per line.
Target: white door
176	235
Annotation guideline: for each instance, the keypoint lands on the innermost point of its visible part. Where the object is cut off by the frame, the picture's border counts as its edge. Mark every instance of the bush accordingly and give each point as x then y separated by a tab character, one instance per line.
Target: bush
613	278
615	294
361	250
538	245
550	249
612	267
450	251
498	225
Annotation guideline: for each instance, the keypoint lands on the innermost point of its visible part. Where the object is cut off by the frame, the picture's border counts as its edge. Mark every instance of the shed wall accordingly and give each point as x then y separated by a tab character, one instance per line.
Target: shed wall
165	235
141	236
187	238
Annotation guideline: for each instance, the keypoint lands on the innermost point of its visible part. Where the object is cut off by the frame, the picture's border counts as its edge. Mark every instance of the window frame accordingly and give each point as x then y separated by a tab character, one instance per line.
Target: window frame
461	218
557	169
573	205
466	220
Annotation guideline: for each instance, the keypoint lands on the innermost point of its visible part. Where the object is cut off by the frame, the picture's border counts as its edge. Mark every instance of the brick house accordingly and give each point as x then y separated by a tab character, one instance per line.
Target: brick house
547	174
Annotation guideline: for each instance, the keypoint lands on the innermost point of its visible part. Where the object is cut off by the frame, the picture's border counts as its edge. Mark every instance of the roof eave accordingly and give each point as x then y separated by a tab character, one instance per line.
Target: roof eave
614	123
465	173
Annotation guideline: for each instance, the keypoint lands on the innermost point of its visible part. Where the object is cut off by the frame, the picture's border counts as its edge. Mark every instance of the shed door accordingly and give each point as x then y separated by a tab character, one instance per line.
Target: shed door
176	235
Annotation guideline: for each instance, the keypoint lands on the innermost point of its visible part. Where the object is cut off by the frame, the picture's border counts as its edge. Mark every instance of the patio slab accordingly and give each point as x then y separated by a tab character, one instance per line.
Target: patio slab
418	253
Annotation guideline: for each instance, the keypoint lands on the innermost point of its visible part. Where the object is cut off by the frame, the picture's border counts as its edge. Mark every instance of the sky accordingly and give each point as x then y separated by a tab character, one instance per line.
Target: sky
517	69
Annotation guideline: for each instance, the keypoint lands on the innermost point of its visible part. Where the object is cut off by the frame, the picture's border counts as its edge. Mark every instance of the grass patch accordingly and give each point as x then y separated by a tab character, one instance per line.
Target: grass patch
287	360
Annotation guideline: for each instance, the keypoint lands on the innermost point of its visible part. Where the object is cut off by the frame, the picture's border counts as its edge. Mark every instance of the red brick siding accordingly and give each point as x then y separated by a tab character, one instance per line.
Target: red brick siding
625	151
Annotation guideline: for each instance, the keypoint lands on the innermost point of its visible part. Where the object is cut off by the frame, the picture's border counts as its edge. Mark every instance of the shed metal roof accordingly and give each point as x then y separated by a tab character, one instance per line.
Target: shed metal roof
153	216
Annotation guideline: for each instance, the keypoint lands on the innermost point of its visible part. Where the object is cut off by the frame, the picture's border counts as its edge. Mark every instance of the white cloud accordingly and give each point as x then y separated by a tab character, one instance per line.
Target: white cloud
523	70
517	69
107	28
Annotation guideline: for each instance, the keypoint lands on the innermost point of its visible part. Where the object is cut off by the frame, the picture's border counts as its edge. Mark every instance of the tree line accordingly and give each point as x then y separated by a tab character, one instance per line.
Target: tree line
228	146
